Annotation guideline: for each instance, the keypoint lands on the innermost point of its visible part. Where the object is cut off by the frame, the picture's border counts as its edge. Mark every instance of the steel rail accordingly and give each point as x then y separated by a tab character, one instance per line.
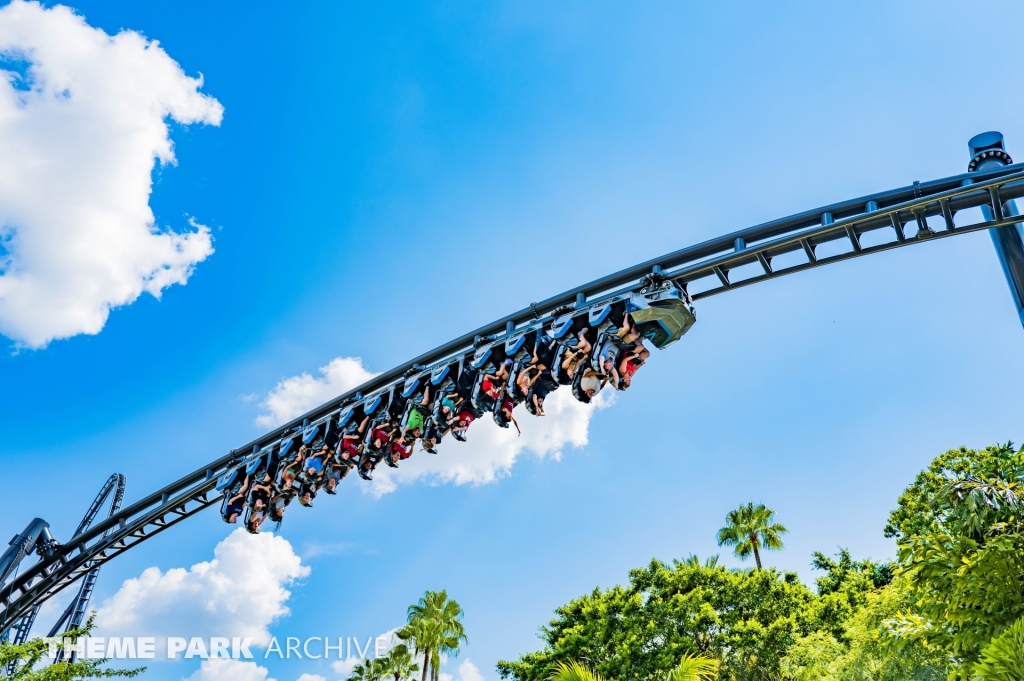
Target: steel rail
849	220
116	484
74	614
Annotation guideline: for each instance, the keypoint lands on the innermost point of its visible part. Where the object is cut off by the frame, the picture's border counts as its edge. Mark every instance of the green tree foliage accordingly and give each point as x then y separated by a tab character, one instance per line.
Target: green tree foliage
424	635
370	669
749	529
695	668
690	668
964	555
399	663
757	624
870	648
812	657
951	607
923	504
840	574
745	619
31	662
693	561
573	671
1003	658
435	627
843	589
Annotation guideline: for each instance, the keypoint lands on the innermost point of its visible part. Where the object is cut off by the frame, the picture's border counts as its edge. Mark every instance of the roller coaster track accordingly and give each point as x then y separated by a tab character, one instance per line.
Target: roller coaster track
916	214
74	615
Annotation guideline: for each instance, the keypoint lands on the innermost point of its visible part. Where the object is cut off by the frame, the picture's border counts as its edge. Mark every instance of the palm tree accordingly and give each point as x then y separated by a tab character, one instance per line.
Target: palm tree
435	625
692	561
424	635
448	645
399	663
749	529
574	671
694	668
369	669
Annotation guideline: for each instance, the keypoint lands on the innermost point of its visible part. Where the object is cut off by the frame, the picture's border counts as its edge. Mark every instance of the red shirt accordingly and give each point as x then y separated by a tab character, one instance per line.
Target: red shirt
491	389
350	446
380	434
399	449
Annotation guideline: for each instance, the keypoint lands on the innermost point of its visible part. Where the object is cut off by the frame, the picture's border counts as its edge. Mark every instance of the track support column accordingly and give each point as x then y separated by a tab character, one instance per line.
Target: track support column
987	151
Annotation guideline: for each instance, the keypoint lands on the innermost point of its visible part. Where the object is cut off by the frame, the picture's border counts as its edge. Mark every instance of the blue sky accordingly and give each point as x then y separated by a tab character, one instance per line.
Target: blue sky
389	176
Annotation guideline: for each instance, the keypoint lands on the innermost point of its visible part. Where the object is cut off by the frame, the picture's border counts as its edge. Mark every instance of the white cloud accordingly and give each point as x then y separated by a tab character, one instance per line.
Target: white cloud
227	669
81	129
297	395
344	667
386	641
467	671
311	677
238	593
490	451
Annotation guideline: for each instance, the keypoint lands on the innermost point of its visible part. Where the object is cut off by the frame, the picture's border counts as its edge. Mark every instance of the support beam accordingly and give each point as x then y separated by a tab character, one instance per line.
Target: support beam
988	153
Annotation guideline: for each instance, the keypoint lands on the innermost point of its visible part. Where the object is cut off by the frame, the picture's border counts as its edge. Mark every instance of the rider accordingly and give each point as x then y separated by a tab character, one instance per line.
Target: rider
505	413
399	450
543	358
350	446
259	502
540	389
627	332
574	355
376	447
608	359
417	416
591	384
633	357
494	383
461	424
306	497
314	464
448	409
236	504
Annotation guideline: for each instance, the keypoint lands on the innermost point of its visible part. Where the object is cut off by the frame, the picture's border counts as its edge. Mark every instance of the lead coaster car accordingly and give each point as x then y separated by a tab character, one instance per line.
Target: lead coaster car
662	313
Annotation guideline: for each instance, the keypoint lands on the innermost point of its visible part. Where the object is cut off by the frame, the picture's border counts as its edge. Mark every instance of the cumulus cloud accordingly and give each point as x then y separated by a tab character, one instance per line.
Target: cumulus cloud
311	677
83	121
344	667
488	455
491	451
297	395
467	671
227	669
383	644
238	593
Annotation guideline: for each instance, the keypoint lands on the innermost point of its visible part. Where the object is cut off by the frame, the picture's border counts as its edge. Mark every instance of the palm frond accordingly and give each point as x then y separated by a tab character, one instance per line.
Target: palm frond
749	528
574	671
695	668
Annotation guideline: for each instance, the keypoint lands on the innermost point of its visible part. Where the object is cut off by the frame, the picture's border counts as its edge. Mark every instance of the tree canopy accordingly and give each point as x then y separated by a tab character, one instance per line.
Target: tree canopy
963	555
745	618
951	606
